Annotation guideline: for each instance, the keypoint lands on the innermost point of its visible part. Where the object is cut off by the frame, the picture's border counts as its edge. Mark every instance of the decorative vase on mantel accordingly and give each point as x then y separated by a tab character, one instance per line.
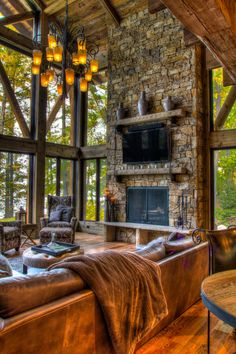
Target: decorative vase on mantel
142	104
167	104
120	113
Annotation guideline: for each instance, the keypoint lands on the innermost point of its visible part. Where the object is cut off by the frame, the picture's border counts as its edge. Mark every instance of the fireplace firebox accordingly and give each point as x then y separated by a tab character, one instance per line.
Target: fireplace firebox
148	205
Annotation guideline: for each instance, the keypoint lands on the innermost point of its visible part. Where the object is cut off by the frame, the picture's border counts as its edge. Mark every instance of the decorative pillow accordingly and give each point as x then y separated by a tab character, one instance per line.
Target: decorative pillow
178	245
153	253
176	236
67	214
55	215
5	267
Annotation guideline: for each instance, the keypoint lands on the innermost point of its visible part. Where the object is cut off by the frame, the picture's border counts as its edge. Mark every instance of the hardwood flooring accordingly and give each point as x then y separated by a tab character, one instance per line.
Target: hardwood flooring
187	334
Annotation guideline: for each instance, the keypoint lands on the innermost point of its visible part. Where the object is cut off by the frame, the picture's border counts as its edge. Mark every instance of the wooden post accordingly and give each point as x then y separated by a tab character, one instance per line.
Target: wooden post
41	117
226	108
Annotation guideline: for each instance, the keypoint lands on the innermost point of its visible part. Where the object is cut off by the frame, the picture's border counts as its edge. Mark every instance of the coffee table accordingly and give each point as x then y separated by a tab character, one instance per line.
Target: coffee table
218	293
27	232
42	260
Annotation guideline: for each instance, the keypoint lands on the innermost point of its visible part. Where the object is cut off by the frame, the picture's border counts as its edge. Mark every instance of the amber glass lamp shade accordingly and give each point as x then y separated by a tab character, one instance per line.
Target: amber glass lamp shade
83	56
44	80
57	53
81	44
70	76
35	69
49	54
59	89
75	59
83	85
50	74
88	75
52	43
94	66
37	57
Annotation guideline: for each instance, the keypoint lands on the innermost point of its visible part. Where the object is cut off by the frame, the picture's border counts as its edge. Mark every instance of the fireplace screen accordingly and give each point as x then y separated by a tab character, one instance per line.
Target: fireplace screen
148	205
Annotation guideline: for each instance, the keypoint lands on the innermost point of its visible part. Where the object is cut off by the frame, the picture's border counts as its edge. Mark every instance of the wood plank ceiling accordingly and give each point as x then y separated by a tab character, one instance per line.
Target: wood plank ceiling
212	21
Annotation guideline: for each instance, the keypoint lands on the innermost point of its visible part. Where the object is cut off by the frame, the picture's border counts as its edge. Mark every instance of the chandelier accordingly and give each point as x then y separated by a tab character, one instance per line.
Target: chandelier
65	55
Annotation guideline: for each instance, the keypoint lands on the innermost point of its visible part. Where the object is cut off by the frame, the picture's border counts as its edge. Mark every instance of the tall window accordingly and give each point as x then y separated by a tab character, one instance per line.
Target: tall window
97	108
17	68
59	117
14	174
225	187
58	177
221	100
95	181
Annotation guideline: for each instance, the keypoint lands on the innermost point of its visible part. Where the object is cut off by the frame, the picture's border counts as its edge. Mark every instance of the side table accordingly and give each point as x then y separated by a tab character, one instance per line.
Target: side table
27	232
42	260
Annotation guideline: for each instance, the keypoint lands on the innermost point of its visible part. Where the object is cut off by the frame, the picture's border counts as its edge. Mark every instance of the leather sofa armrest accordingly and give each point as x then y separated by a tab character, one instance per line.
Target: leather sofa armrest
22	293
43	222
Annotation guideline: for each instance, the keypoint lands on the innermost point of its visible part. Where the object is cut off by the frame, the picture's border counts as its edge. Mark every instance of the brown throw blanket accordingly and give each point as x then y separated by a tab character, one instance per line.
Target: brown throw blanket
129	291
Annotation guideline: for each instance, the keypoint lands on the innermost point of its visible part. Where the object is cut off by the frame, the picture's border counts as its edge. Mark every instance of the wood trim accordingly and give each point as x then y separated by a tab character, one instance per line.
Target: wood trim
15	144
16	40
111	11
10	20
62	151
98	165
36	4
155	6
93	152
13	102
223	139
58	175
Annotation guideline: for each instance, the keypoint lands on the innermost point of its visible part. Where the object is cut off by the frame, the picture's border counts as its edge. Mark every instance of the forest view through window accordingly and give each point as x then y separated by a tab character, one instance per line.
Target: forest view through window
97	109
14	175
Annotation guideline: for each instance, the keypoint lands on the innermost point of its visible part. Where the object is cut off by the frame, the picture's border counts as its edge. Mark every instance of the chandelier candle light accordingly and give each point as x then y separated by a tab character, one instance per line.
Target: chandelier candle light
65	56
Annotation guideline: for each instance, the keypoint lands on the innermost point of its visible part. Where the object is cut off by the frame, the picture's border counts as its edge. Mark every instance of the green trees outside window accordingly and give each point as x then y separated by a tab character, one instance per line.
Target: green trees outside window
14	171
18	69
97	108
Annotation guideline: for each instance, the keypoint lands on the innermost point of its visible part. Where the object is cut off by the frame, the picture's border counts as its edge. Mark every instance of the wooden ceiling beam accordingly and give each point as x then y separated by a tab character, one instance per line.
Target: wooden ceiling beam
13	102
10	20
208	22
36	4
111	11
155	6
56	6
16	40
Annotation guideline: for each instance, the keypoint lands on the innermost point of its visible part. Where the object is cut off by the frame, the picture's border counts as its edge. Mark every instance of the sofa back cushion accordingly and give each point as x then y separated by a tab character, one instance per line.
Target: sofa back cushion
22	293
5	267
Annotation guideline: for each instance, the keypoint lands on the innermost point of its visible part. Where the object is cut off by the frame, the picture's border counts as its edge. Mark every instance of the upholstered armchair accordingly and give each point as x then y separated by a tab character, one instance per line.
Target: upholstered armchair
60	220
10	235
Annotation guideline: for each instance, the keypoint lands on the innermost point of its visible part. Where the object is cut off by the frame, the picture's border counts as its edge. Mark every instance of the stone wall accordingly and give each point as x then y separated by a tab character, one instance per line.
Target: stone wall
147	52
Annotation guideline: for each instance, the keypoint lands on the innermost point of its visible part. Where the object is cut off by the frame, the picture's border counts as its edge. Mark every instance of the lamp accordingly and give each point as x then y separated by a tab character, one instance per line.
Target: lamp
35	69
21	215
83	85
66	44
70	76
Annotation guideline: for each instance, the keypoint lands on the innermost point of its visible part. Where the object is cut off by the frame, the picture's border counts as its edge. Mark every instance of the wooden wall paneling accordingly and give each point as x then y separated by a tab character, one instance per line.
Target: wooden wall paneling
41	118
8	90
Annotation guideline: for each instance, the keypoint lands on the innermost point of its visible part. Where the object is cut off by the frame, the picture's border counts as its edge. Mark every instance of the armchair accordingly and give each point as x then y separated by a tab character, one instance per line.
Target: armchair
65	227
10	235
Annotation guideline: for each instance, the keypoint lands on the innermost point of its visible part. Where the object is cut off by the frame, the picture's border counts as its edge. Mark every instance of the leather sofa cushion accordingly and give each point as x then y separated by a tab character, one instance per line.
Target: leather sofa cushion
153	252
5	267
178	245
22	293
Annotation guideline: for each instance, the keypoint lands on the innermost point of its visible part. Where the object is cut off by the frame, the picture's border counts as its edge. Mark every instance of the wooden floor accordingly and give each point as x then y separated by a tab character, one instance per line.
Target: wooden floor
188	334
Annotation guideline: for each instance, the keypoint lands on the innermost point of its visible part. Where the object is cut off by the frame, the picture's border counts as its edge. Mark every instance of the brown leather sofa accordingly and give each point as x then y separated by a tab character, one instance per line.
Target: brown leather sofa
54	312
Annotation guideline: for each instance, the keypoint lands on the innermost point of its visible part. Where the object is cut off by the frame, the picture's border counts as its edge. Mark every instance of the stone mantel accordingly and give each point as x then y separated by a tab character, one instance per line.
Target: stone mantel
150	171
151	118
141	230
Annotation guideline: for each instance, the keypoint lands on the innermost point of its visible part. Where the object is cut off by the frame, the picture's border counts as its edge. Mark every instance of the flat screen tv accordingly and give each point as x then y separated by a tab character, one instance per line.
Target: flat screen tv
146	144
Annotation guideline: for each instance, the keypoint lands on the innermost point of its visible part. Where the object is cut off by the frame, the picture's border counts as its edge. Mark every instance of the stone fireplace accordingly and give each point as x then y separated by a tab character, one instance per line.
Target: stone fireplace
148	205
147	52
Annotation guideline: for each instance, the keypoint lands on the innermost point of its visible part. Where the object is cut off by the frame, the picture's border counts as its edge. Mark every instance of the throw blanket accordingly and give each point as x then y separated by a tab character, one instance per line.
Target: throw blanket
129	291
